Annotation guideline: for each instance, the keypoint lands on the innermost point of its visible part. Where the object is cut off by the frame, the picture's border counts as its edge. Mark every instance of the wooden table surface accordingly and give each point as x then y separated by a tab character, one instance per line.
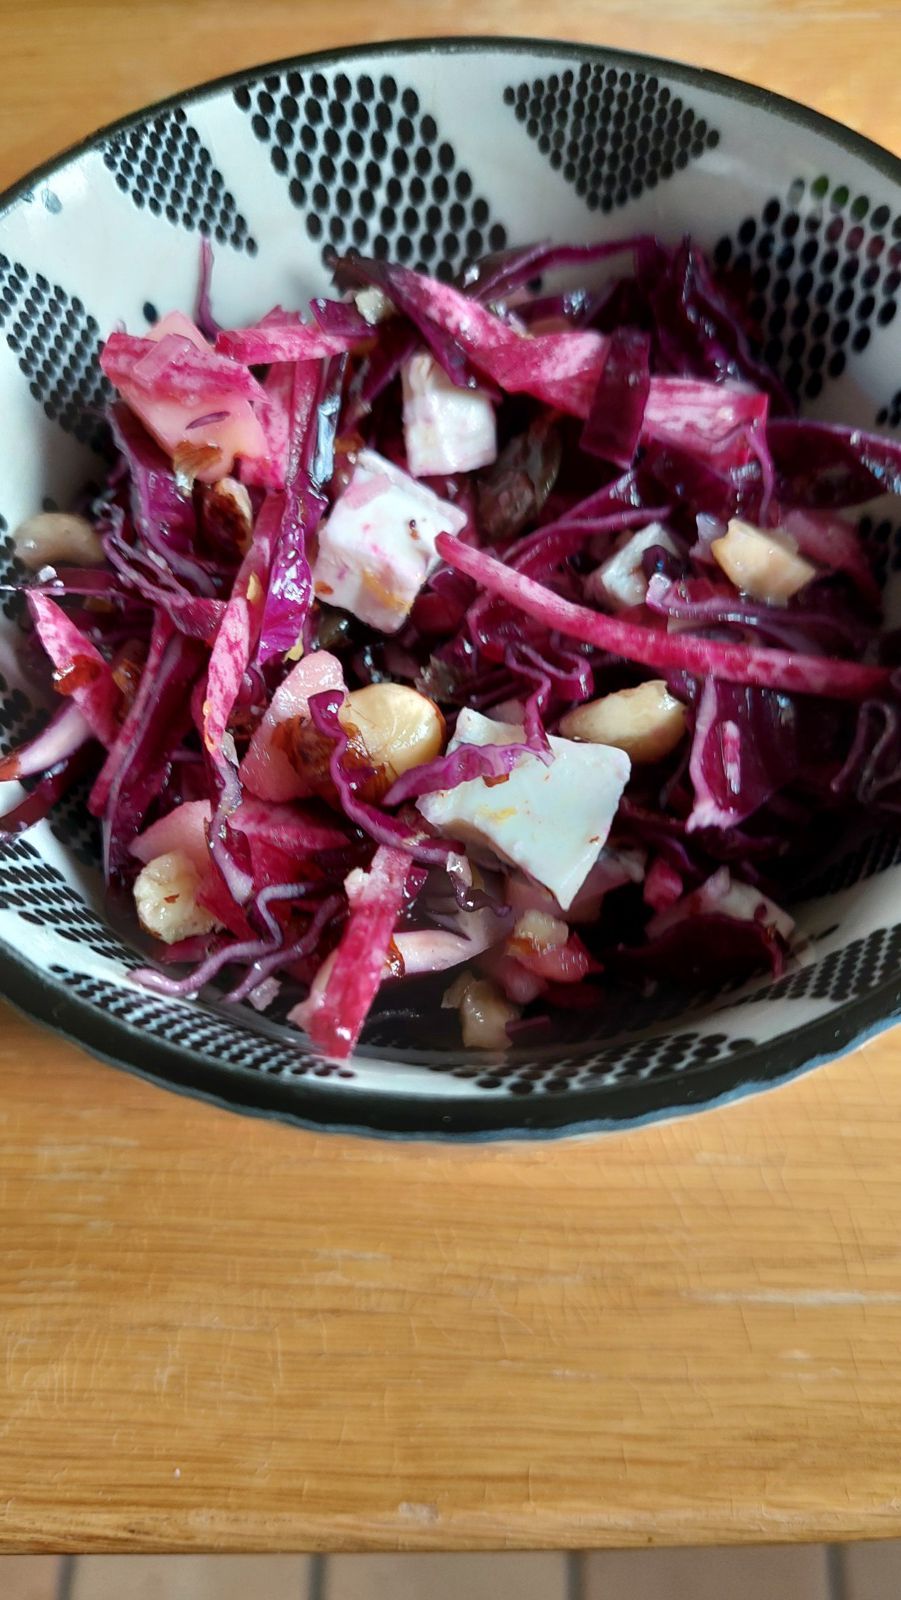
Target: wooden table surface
219	1333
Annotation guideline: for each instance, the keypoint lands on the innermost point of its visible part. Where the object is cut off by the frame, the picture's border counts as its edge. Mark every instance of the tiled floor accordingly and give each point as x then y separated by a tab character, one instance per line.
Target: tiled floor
858	1572
187	1578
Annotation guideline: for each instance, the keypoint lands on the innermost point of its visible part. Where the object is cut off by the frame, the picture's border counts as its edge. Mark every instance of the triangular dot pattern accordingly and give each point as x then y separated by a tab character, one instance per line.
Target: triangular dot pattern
890	415
610	133
73	825
70	820
12	570
875	855
164	165
232	1042
881	540
19	719
55	341
845	974
44	899
820	273
618	1064
368	167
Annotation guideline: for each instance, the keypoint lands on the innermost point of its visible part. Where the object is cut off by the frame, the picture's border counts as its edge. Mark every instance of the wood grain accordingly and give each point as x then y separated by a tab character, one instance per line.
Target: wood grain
220	1333
72	65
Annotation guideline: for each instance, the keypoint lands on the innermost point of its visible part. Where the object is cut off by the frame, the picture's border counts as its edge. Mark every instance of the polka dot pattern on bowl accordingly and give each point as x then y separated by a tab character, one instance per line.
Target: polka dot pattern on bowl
366	163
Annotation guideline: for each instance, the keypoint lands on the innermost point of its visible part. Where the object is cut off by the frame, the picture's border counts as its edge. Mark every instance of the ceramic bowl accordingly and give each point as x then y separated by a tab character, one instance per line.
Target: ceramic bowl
431	153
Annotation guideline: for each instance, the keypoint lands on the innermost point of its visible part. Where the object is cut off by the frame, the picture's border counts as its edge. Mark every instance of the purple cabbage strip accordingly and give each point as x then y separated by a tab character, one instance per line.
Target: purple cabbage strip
745	747
204	318
495	761
737	663
728	351
163	512
396	341
623	494
265	965
872	769
410	296
59	739
535	704
197	616
43	797
398	833
717	948
695	600
570	676
133	563
239	633
699	332
316	403
161	632
759	448
290	585
544	550
828	465
498	276
573	305
93	581
686	478
263	956
227	955
341	317
466	763
829	541
138	763
279	892
229	847
614	423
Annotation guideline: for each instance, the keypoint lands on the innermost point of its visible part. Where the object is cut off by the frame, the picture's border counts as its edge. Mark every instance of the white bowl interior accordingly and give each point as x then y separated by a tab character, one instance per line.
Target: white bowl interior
381	149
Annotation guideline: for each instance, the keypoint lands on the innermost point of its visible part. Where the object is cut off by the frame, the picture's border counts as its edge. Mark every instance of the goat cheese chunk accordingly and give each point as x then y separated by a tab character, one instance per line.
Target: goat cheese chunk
620	581
378	546
446	429
549	819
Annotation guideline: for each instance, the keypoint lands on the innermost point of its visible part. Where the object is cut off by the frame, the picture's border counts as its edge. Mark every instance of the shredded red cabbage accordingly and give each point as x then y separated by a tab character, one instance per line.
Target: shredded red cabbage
619	405
632	436
648	647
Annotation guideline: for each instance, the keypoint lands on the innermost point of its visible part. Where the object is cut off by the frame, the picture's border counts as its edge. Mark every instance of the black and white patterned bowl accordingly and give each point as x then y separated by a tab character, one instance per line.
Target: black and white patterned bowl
431	153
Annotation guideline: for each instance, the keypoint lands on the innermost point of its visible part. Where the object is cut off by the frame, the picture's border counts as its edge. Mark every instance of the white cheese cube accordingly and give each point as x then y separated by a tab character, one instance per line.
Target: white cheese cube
549	819
378	546
620	581
446	429
613	868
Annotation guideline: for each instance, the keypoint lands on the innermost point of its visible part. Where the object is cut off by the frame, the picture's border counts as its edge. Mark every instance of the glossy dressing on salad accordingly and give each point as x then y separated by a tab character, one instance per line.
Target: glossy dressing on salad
516	636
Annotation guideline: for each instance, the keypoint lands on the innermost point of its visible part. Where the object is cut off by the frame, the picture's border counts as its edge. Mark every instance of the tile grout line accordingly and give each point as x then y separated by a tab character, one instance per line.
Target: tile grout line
66	1579
316	1583
575	1575
836	1585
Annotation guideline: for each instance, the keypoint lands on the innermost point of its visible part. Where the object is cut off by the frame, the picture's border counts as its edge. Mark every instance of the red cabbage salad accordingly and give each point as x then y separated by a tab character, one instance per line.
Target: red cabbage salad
516	635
